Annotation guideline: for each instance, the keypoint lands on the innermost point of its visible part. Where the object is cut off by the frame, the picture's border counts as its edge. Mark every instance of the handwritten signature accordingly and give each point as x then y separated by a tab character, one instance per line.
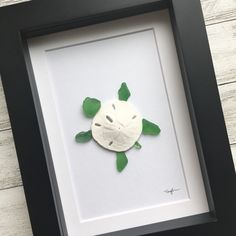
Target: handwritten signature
172	190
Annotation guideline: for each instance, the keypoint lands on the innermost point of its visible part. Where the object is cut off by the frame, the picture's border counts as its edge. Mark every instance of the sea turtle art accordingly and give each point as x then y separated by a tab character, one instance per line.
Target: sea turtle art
116	125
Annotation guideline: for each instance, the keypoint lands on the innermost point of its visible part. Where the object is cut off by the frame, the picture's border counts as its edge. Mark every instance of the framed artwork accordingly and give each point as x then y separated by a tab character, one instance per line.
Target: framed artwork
116	118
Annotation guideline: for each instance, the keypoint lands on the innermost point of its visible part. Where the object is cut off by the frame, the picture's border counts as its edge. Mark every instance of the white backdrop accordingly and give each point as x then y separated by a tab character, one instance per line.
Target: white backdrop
97	69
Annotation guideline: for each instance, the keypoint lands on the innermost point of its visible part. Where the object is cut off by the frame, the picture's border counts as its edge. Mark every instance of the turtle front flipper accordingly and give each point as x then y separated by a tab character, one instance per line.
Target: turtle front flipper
121	161
150	128
91	106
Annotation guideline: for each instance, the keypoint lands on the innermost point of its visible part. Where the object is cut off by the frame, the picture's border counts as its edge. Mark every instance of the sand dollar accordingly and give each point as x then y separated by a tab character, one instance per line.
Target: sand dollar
117	125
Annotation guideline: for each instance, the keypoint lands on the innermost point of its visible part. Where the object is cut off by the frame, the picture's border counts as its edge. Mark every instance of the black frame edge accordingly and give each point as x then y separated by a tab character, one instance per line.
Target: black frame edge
34	28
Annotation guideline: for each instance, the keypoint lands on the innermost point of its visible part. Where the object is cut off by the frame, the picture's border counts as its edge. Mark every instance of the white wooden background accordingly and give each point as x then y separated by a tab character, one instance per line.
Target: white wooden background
220	20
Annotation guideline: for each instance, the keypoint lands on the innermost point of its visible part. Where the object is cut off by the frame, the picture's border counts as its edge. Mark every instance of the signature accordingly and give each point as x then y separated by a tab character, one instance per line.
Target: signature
172	190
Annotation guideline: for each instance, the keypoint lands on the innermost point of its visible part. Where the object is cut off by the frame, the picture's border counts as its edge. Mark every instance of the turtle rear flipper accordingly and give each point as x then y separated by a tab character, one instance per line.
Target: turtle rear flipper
121	161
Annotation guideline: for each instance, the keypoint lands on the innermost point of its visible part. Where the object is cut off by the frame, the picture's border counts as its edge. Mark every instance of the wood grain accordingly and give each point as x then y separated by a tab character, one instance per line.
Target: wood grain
9	168
10	2
4	118
222	39
216	11
14	219
228	99
233	150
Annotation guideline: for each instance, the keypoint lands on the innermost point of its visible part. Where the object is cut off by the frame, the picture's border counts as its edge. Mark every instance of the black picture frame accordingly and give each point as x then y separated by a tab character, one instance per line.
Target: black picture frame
22	21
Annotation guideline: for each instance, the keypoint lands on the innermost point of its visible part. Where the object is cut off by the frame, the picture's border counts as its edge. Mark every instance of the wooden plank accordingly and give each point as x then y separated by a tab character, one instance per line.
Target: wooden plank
228	99
14	219
10	2
9	168
222	39
4	118
216	11
233	150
